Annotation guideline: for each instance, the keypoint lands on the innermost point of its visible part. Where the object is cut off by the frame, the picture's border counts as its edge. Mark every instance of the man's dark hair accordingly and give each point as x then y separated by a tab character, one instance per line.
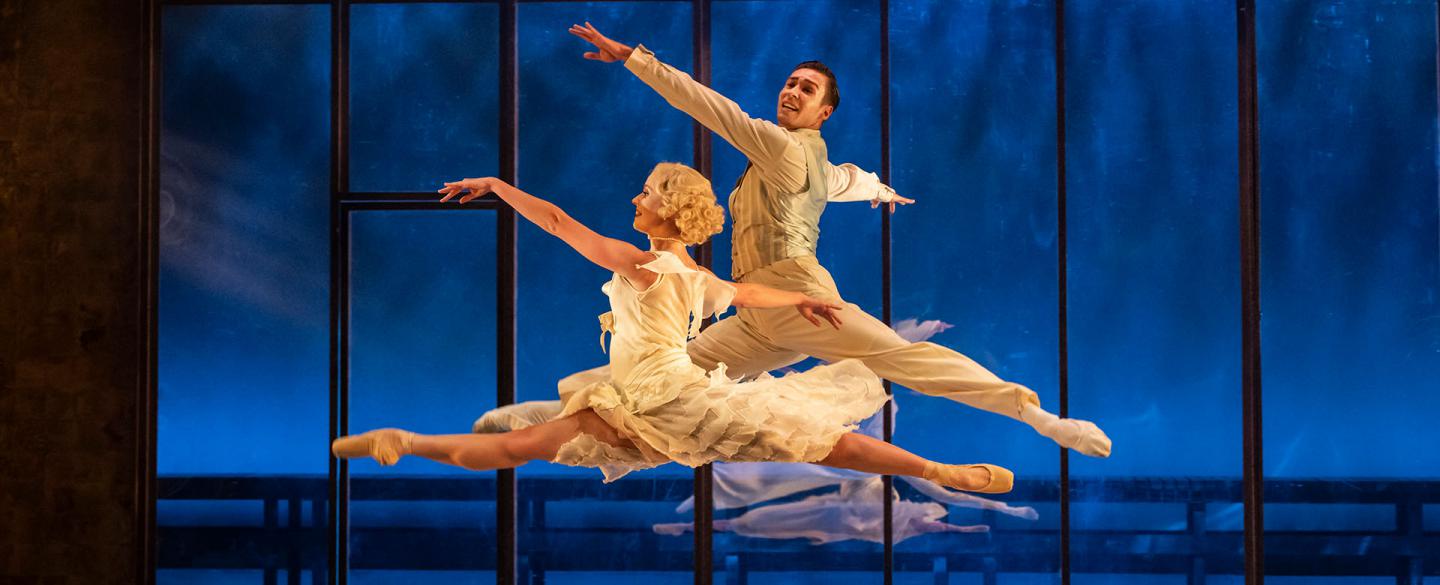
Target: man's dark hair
832	93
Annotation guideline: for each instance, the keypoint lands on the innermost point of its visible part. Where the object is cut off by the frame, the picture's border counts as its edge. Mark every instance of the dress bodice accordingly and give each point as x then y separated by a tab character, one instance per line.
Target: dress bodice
649	328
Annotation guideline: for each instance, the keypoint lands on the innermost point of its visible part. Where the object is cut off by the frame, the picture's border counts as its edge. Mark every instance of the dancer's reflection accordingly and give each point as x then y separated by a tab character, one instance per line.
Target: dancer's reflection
854	511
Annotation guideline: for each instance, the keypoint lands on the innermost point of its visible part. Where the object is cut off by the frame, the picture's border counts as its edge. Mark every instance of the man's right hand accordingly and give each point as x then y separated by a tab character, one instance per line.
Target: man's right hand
608	51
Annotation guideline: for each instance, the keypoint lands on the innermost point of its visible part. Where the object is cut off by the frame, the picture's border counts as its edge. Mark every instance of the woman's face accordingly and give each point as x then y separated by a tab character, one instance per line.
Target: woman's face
647	211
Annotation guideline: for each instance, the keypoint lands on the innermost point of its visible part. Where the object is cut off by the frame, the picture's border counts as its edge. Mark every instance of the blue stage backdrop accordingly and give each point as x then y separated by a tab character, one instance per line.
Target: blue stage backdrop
1154	296
244	253
1349	264
1350	267
974	144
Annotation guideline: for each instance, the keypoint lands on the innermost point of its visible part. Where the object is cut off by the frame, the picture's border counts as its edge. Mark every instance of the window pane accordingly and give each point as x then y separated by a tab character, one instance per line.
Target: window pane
1154	288
974	144
1349	273
424	94
422	358
243	316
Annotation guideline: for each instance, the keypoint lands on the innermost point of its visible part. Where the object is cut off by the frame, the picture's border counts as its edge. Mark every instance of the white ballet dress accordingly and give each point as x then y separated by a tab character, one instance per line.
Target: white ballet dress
672	410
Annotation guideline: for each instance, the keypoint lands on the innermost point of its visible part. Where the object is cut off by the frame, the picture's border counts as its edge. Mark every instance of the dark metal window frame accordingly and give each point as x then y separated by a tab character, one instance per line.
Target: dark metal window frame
343	202
1249	228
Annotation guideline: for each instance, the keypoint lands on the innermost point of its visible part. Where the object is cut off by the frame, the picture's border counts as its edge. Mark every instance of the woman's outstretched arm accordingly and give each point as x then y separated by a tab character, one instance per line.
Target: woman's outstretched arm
759	296
608	253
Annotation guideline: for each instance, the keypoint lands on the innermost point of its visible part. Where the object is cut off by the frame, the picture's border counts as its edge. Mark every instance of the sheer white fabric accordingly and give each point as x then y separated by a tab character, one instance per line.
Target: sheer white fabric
672	410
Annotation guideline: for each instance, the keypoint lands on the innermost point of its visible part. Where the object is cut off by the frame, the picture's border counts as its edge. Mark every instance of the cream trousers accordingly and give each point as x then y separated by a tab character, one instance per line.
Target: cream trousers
759	340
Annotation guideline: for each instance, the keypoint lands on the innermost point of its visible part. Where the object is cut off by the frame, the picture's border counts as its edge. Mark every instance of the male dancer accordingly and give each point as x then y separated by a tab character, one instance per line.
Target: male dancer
775	211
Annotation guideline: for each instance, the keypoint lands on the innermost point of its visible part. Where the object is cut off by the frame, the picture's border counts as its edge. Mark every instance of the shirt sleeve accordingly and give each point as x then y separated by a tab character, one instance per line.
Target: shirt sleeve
848	182
718	296
776	154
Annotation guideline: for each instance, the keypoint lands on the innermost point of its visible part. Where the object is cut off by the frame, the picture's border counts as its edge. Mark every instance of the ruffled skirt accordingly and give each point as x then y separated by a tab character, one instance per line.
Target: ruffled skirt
675	412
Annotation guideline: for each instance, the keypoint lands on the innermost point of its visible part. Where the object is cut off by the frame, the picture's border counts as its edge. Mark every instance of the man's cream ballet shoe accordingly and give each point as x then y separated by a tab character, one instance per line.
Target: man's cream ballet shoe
385	445
1081	436
961	477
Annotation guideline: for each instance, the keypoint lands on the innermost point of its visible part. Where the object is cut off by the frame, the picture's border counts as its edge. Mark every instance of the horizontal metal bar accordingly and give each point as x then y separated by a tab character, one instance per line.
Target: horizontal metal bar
1030	552
238	2
405	196
390	196
402	205
353	2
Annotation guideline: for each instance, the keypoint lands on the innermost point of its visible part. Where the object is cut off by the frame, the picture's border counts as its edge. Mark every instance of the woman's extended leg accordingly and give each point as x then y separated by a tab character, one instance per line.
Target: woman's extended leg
865	453
479	452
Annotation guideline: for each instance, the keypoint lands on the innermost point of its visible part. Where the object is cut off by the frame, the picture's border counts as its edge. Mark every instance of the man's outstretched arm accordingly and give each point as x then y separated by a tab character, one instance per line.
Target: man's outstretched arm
848	182
776	154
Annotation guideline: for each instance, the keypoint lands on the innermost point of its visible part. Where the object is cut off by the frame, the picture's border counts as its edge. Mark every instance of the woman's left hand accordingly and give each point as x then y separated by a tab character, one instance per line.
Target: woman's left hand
469	189
812	307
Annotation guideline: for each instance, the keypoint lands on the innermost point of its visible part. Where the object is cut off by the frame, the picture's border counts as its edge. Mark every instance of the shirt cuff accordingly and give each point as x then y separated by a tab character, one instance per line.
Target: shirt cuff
640	58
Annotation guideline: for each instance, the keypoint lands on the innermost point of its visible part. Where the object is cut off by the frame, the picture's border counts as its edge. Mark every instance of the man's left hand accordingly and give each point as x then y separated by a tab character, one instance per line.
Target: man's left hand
608	51
895	200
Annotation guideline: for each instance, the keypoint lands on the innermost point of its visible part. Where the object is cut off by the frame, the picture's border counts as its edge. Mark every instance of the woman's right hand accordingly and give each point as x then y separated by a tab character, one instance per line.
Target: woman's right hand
469	188
812	309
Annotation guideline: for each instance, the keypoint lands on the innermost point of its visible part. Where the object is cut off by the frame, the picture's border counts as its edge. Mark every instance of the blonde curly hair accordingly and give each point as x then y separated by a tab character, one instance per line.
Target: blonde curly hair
687	200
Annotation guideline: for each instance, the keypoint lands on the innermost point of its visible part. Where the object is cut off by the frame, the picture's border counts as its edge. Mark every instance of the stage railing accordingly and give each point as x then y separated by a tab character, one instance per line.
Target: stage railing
289	536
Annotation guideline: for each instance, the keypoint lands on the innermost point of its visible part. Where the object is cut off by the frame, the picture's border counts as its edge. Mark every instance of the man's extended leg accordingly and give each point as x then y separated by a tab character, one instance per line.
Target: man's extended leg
735	344
925	367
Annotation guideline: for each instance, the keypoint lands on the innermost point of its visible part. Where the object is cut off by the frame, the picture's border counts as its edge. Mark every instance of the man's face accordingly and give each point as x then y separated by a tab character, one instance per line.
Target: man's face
802	101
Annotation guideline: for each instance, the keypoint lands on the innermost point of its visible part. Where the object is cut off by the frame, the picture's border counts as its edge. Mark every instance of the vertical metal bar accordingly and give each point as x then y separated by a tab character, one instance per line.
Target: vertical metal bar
147	313
339	501
342	419
318	569
704	486
887	482
1195	525
334	493
270	516
734	572
700	41
1249	155
505	281
1410	528
294	567
1063	283
337	492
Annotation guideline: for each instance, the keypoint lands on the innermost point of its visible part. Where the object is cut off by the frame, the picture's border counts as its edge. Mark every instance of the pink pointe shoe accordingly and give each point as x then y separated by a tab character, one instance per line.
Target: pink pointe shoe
961	477
386	445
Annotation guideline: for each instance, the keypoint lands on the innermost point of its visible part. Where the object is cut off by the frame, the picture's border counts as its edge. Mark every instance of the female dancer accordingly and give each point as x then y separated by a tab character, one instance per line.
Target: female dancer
657	406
